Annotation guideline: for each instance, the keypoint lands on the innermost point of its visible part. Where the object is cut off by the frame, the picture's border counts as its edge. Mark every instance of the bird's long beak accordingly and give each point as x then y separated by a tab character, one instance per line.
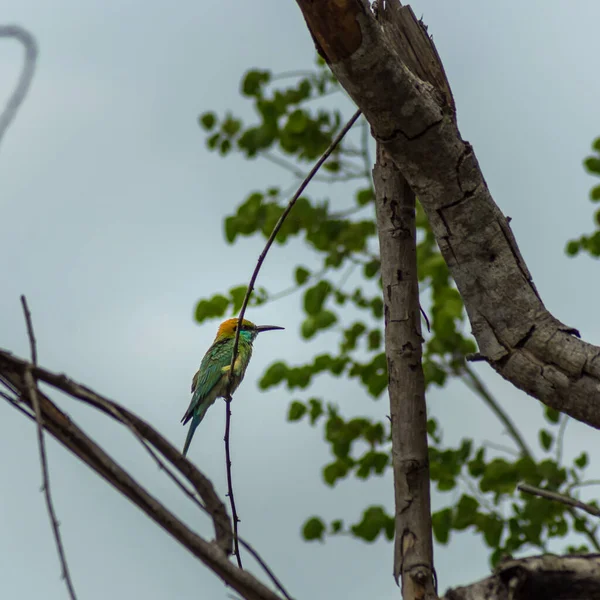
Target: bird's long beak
261	328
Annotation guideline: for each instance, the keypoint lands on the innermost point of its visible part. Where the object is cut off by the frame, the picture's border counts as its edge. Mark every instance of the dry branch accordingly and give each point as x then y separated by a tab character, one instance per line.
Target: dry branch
414	121
413	549
20	92
60	426
545	577
32	392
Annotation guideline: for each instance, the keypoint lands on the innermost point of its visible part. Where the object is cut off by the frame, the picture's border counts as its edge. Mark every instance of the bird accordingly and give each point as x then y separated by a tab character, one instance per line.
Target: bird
212	378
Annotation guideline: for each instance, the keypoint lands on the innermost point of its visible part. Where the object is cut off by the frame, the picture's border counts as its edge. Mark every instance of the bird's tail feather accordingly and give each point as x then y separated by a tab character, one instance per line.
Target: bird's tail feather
196	420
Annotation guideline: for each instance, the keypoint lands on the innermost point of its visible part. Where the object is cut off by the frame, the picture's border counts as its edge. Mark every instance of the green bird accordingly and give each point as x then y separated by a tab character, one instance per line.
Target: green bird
212	378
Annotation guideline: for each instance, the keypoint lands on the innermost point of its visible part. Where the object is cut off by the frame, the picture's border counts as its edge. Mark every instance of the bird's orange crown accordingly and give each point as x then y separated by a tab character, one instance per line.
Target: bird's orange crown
227	328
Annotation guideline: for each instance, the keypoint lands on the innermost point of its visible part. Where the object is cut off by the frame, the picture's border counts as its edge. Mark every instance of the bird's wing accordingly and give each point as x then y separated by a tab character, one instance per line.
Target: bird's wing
211	370
195	380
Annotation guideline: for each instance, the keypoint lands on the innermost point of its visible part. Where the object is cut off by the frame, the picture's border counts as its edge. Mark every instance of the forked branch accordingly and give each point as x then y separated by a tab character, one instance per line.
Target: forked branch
213	554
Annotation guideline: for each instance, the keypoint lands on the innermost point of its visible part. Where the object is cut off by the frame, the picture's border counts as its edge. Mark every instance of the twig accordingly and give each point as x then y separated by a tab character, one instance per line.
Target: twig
35	403
30	334
579	484
562	498
590	534
266	568
425	318
478	386
500	448
22	87
12	370
294	288
234	514
338	138
249	290
291	167
191	494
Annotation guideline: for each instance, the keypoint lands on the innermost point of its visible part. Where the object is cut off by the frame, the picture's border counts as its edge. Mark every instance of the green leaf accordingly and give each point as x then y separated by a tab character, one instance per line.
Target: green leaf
313	529
572	248
337	526
224	147
253	82
237	297
213	140
492	527
212	308
364	196
301	275
595	194
465	512
372	268
582	460
553	416
374	521
546	439
296	411
499	476
208	120
441	522
334	471
231	126
316	410
297	121
592	164
274	375
315	297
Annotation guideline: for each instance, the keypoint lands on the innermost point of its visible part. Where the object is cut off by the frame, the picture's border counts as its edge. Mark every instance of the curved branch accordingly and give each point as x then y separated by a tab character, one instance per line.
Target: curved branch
479	388
12	370
65	431
22	87
556	497
414	121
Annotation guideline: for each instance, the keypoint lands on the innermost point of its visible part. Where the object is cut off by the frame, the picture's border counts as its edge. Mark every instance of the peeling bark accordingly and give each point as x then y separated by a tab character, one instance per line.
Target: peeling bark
413	546
414	121
545	577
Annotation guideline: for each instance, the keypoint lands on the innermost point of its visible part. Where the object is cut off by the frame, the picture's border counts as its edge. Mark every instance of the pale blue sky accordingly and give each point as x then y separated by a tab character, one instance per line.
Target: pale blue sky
111	211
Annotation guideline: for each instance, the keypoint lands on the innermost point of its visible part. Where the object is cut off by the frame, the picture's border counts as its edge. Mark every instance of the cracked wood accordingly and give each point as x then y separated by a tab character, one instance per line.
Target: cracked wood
412	117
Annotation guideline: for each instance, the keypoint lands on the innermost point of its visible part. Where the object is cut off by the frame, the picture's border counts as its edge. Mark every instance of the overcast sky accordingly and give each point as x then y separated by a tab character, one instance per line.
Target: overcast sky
111	211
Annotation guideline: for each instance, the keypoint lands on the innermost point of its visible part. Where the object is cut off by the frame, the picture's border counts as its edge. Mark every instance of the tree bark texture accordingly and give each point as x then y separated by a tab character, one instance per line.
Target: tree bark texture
413	546
414	121
545	577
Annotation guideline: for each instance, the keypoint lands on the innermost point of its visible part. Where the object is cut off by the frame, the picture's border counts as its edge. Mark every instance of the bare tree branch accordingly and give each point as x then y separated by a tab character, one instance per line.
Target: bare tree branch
20	92
471	380
545	577
10	364
32	392
562	498
234	514
58	424
413	548
414	120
